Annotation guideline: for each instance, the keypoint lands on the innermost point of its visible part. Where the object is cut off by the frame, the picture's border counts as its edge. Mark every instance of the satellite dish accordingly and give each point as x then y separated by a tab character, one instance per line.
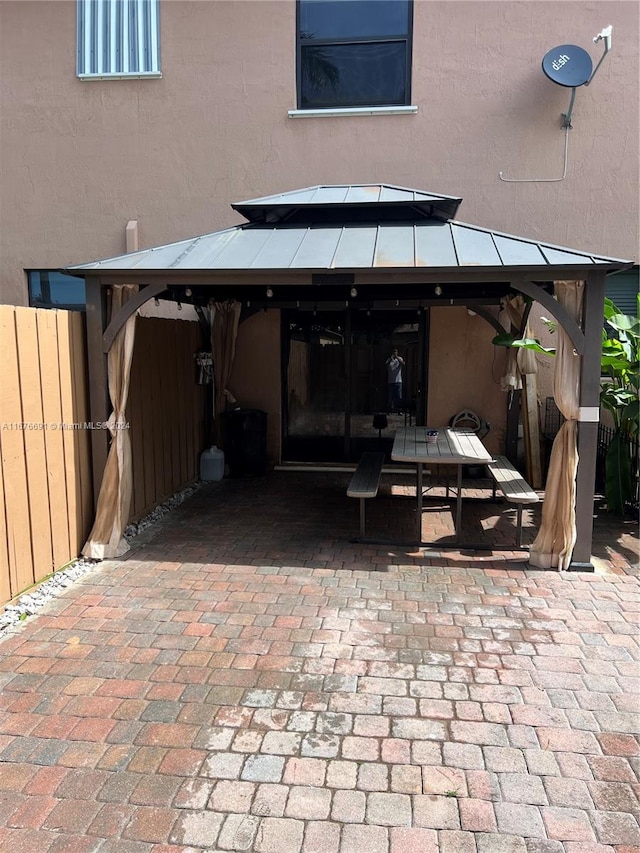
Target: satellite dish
568	65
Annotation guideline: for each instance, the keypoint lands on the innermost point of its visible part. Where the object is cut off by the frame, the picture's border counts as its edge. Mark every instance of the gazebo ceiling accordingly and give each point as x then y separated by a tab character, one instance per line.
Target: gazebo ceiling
333	230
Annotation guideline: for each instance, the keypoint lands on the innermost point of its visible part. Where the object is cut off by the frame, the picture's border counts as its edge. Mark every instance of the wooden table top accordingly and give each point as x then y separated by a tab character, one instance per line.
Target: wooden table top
453	447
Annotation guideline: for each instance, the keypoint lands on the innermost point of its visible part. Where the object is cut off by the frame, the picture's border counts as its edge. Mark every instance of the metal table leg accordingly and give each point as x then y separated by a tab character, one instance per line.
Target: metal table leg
459	505
419	494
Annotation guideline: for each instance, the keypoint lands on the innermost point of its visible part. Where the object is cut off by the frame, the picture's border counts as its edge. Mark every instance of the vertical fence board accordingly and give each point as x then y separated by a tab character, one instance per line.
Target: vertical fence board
187	423
5	587
177	395
83	477
197	414
150	429
34	441
134	416
186	366
155	370
67	419
167	412
200	398
52	412
18	521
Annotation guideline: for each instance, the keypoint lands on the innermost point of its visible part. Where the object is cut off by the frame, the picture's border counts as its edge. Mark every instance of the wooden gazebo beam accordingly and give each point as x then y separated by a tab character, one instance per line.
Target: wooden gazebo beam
538	294
128	310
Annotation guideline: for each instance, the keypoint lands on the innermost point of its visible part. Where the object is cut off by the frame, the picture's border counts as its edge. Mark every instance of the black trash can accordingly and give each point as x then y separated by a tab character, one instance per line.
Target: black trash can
244	440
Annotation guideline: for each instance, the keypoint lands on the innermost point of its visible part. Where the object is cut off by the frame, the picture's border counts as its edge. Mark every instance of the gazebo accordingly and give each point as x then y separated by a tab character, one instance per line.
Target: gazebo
329	247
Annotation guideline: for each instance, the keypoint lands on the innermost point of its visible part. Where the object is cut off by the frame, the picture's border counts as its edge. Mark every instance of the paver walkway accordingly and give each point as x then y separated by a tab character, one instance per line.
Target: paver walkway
249	680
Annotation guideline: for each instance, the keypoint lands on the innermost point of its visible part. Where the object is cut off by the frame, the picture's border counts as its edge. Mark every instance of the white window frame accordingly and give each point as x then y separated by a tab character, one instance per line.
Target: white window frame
118	39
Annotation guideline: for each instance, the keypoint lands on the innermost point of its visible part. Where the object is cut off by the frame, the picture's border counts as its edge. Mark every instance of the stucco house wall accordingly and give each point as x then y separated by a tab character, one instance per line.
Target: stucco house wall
255	379
464	372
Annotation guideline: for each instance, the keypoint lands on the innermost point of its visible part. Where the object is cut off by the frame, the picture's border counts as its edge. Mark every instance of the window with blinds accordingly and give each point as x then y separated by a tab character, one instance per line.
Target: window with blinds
118	38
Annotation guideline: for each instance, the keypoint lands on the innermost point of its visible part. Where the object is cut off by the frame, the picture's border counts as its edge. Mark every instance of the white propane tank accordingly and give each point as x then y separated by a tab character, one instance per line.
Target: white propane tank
212	464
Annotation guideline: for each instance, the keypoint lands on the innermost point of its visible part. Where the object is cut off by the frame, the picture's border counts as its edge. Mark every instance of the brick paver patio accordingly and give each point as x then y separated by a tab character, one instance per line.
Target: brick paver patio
248	679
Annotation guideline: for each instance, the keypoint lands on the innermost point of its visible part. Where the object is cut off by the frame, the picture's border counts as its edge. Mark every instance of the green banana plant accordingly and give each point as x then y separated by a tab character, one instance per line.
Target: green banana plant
619	395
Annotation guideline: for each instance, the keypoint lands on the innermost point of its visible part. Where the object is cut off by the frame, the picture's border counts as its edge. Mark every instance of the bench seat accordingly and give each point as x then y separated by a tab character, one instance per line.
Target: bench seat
366	482
513	486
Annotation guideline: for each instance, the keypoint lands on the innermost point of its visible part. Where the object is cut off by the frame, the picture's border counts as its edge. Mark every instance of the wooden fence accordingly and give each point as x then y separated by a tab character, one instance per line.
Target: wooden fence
46	495
46	489
166	410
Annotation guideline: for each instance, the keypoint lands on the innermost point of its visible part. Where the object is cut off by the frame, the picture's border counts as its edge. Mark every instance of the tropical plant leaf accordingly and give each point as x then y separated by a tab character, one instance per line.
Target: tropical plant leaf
508	340
503	340
618	361
625	323
618	485
631	411
534	344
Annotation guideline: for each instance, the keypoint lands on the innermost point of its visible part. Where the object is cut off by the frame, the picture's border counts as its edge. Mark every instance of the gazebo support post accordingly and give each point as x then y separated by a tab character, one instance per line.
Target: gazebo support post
592	323
98	387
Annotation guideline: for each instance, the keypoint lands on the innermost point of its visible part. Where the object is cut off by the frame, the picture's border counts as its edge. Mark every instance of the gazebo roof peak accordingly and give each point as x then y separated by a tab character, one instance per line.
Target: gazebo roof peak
325	202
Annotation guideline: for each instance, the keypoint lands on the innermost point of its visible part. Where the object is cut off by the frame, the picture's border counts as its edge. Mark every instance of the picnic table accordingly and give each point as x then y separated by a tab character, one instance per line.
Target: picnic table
448	447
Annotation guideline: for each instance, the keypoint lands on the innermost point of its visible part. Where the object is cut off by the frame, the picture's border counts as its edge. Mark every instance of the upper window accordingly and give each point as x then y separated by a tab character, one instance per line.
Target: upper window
53	289
118	38
354	53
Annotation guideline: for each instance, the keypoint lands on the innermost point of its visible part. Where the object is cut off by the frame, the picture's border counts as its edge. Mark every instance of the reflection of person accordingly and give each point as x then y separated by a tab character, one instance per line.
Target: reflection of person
394	363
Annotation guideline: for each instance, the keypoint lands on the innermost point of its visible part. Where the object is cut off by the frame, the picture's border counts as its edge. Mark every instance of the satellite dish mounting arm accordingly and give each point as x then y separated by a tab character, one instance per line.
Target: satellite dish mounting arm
566	123
603	35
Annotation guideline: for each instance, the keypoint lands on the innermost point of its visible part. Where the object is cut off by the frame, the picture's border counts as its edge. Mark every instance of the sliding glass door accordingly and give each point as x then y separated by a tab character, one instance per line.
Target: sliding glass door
337	372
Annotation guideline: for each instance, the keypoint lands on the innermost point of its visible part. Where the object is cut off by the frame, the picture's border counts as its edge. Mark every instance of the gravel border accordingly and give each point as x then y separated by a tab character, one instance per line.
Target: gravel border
15	614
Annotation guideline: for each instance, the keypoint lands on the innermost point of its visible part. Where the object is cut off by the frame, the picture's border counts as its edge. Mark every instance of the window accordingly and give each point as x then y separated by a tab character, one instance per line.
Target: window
354	53
52	289
118	38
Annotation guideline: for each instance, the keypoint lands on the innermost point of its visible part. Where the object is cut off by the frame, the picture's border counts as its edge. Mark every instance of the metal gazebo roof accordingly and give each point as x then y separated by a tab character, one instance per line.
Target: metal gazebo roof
352	227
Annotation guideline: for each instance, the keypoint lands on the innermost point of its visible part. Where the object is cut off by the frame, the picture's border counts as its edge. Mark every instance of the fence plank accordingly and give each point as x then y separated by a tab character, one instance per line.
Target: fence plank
186	368
82	438
151	428
34	441
197	415
68	420
52	412
134	416
167	411
155	412
5	586
177	397
14	472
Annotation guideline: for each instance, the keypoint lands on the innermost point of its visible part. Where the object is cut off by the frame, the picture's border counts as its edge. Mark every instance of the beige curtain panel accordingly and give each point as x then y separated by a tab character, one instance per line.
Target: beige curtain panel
114	501
556	538
224	332
520	361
